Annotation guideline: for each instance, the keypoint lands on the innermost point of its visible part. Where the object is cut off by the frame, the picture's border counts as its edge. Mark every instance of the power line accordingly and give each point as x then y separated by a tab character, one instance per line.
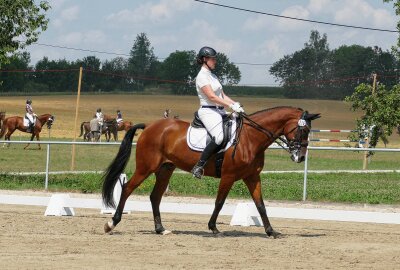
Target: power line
298	19
122	54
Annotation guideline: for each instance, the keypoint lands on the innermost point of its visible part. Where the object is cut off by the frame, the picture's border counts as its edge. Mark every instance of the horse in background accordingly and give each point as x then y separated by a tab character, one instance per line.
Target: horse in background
2	117
122	125
12	123
109	127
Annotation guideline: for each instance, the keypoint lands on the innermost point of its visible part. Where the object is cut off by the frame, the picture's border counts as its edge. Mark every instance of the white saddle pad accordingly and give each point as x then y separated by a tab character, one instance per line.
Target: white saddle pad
197	138
26	121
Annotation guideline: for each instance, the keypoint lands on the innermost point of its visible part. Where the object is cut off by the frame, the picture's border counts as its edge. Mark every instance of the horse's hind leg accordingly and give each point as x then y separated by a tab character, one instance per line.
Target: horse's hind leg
162	179
254	185
127	189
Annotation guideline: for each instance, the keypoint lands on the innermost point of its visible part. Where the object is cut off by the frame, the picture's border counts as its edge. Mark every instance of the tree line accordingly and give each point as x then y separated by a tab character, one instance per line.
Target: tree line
318	72
140	70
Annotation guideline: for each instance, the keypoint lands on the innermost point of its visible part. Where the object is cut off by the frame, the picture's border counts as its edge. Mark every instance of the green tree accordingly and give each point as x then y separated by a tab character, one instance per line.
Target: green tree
20	19
180	69
380	107
297	71
354	64
16	81
116	75
141	61
90	79
51	79
227	72
381	110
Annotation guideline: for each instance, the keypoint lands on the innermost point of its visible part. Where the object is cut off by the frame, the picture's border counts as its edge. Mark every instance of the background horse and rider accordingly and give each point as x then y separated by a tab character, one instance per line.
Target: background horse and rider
123	125
109	127
162	147
12	123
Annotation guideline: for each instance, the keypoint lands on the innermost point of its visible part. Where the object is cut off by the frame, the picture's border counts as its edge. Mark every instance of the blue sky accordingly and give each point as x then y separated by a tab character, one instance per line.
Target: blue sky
171	25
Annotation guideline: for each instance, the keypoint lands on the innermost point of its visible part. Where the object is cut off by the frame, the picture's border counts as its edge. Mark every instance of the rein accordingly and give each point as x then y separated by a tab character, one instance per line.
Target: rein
269	133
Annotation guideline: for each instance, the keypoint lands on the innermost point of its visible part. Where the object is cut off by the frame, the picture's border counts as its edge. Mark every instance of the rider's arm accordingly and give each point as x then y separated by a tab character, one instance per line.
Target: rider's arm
214	98
227	98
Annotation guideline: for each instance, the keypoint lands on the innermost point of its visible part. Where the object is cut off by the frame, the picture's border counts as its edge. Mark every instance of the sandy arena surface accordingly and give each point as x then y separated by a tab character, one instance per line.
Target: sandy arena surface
29	240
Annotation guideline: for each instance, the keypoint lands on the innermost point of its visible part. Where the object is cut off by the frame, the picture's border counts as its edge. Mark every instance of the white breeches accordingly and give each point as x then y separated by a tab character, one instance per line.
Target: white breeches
30	117
212	120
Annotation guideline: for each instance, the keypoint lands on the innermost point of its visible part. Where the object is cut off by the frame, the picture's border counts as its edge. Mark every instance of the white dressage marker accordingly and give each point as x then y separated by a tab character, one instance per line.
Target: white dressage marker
58	206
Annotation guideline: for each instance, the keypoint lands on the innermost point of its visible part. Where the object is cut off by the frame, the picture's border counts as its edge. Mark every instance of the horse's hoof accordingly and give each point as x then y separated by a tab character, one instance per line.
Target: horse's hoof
164	232
274	234
108	227
215	231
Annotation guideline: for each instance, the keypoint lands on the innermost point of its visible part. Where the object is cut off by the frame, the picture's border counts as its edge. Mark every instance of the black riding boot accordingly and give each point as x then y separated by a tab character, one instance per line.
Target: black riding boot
198	170
31	127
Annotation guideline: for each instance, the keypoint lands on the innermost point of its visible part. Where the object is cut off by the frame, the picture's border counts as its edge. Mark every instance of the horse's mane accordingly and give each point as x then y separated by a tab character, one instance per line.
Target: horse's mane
275	108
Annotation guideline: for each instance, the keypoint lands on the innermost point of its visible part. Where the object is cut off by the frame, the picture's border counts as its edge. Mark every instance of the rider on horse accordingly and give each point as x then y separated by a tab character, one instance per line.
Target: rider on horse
99	116
30	115
119	117
212	103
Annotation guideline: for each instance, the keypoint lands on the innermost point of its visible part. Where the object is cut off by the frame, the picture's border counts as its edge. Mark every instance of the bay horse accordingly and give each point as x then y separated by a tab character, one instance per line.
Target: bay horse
123	125
10	124
162	147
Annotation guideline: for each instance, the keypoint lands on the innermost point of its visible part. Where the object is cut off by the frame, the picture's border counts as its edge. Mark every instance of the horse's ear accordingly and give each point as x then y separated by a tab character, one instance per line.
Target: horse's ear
312	116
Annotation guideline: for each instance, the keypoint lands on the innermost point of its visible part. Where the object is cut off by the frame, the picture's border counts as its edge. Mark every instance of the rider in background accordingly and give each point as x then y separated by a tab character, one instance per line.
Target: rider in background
119	117
166	113
213	101
99	116
30	115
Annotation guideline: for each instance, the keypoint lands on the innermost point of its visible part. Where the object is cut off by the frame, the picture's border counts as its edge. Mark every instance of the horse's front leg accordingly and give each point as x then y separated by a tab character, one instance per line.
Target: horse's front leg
38	139
225	186
33	135
254	185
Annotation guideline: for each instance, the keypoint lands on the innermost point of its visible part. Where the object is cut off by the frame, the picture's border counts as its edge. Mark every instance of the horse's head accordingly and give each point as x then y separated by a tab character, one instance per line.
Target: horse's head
2	115
50	121
296	133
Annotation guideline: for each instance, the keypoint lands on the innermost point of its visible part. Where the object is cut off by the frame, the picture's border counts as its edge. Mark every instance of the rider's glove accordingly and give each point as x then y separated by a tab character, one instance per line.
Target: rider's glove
236	107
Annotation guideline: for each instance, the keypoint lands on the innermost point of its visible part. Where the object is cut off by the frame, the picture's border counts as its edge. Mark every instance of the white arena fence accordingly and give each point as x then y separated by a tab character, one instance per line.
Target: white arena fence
305	171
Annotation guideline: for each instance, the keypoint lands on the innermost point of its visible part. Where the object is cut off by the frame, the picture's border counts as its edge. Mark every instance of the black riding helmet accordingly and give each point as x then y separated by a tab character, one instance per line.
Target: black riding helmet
99	110
205	52
28	101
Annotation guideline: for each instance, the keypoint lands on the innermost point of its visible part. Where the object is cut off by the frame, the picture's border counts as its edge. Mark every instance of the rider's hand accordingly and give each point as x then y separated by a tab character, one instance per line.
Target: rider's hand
236	107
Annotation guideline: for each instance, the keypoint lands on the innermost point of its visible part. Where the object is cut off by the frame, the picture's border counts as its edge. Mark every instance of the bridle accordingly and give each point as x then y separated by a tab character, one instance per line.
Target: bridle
50	122
303	128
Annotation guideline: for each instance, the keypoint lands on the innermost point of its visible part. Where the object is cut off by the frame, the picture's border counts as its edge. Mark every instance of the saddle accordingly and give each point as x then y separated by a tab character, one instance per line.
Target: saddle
29	124
198	137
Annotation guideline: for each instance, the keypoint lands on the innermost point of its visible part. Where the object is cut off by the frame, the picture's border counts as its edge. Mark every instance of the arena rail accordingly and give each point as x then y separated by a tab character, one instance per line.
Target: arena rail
305	171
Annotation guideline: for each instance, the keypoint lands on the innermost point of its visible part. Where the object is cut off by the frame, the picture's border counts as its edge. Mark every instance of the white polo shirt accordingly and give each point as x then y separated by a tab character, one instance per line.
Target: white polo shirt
205	77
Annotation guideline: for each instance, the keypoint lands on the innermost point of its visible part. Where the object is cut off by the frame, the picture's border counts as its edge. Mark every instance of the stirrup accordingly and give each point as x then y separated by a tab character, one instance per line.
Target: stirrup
197	171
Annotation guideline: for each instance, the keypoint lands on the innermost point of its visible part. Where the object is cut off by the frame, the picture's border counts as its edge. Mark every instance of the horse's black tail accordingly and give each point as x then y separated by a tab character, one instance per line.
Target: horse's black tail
117	166
81	129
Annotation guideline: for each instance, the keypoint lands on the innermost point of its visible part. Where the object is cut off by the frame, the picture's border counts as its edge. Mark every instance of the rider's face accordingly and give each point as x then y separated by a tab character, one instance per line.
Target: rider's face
211	62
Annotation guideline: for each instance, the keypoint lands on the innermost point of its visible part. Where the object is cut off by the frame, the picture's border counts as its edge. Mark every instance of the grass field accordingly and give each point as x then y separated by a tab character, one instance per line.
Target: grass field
147	108
376	188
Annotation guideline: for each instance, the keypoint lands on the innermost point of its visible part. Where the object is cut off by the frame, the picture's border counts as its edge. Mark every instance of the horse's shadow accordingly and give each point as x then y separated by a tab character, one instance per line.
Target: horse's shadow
234	234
